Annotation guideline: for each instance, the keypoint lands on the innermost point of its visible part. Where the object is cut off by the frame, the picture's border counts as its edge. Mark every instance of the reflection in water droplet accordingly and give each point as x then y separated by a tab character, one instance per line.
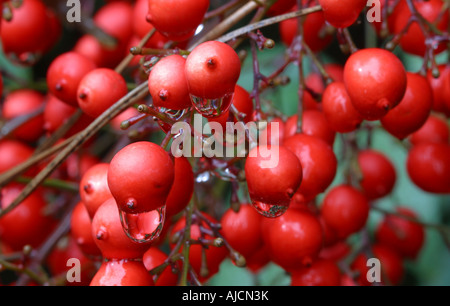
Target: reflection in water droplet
212	107
143	227
269	210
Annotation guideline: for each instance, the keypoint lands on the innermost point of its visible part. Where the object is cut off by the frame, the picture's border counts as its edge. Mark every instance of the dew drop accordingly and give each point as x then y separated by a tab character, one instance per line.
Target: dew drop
143	227
270	210
211	108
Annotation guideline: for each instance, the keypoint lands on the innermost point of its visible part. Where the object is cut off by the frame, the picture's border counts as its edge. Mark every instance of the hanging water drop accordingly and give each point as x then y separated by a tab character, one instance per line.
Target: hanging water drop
211	108
269	210
143	227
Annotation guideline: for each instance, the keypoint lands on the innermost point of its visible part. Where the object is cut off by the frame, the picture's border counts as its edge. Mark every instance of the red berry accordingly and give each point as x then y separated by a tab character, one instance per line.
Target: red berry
167	83
58	259
94	190
140	177
56	113
375	80
122	273
401	234
26	223
440	86
428	166
391	265
294	240
313	25
153	258
378	174
243	103
318	161
413	41
27	30
345	210
183	187
321	273
273	175
177	19
314	124
141	26
413	110
281	7
65	74
22	102
242	230
212	71
110	237
13	153
339	110
342	13
81	230
99	90
435	130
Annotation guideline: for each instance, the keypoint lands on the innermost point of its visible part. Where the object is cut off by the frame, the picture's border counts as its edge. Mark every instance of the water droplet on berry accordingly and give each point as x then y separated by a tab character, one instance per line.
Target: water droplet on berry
143	227
270	210
211	108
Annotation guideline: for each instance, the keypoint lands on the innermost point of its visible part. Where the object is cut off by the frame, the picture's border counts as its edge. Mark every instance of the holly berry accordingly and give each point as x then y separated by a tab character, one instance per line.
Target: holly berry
435	130
27	30
440	85
342	13
428	166
99	90
339	110
141	26
294	240
167	83
391	265
27	223
94	190
314	123
375	80
153	258
171	20
319	165
315	35
140	177
65	74
110	237
378	174
122	273
345	210
81	231
183	187
413	41
242	230
212	71
320	273
23	102
413	110
273	175
403	235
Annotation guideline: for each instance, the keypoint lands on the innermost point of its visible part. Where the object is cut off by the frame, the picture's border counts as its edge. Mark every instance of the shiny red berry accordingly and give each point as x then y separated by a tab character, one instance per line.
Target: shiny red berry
122	273
320	273
375	80
342	13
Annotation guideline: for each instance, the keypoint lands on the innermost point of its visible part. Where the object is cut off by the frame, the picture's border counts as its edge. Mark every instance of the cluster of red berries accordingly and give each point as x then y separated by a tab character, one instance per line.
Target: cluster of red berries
117	210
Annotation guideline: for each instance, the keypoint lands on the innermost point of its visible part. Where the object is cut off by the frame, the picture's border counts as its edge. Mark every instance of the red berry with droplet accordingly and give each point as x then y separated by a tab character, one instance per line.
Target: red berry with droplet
140	177
273	175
